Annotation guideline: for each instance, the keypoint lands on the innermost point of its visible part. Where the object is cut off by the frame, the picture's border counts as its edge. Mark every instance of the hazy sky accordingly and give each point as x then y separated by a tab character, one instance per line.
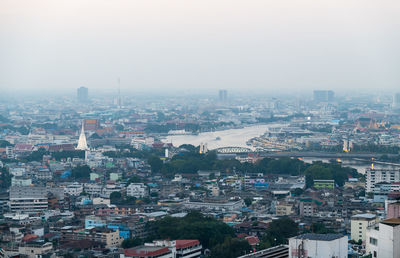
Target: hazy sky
232	44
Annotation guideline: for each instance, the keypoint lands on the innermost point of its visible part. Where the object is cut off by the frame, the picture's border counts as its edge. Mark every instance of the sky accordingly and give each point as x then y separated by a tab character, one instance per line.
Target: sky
185	45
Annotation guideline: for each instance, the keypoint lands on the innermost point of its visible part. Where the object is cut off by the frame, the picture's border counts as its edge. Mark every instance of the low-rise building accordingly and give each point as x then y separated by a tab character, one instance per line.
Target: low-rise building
318	245
283	209
25	199
33	250
383	239
74	189
138	190
324	184
148	252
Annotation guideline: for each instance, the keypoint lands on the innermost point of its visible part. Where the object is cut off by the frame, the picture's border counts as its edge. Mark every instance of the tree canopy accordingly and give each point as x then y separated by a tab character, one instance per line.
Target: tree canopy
195	225
81	172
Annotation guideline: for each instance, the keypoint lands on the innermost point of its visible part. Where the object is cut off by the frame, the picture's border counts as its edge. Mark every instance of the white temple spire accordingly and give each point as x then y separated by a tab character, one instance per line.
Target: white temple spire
82	145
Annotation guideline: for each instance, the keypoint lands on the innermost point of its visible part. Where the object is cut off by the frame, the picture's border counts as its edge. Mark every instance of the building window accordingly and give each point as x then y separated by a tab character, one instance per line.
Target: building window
373	241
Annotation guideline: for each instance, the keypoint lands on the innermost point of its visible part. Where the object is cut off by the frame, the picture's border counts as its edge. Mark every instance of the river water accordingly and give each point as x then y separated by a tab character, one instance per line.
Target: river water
228	138
239	137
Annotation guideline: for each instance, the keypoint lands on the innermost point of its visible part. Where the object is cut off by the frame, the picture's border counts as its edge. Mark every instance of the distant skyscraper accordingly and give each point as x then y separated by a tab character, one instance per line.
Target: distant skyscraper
223	95
396	101
83	94
82	145
324	96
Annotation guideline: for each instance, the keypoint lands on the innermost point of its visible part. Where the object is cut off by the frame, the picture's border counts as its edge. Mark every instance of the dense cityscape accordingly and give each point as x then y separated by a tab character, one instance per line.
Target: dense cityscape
218	175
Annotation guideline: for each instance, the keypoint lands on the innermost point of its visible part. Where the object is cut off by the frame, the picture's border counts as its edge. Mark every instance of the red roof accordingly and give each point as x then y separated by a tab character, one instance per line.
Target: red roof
253	240
144	251
29	237
180	244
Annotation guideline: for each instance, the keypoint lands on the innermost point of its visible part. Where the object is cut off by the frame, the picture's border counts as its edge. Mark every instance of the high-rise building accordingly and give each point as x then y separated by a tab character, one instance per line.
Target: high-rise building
223	95
375	176
83	94
324	96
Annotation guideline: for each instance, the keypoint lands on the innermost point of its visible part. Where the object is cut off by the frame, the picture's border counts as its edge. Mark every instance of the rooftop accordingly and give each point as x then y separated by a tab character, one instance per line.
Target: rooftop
319	237
146	251
364	216
393	221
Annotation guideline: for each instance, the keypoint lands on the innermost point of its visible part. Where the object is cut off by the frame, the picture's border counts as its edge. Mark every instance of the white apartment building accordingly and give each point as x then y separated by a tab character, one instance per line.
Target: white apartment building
374	176
360	223
383	239
137	190
180	248
25	199
318	245
93	189
74	189
21	181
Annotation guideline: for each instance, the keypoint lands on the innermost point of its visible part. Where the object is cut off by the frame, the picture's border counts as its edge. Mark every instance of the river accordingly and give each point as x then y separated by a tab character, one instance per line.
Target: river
228	138
239	137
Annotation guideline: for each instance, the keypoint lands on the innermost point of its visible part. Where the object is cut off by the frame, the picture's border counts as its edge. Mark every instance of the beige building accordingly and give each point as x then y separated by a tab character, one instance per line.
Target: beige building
283	209
35	249
359	225
111	238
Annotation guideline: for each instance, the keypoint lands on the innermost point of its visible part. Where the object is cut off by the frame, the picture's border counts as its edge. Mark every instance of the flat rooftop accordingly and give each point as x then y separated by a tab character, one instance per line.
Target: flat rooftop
319	237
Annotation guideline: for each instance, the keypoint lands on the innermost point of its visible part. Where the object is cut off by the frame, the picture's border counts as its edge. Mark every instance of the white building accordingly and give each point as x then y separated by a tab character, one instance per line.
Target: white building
383	240
93	189
108	189
25	199
318	245
180	248
33	250
74	189
359	224
21	181
138	190
375	176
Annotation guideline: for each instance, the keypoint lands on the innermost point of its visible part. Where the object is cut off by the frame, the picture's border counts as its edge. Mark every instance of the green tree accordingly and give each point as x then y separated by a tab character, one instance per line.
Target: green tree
36	155
297	191
131	242
316	172
319	228
195	225
81	172
134	179
280	230
231	248
4	143
248	201
5	178
155	163
115	197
